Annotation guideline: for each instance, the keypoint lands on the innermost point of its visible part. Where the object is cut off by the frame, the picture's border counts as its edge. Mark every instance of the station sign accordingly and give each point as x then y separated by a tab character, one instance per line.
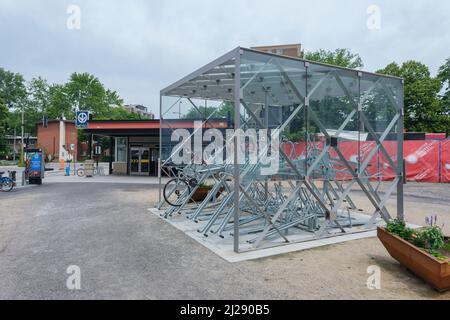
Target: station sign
82	119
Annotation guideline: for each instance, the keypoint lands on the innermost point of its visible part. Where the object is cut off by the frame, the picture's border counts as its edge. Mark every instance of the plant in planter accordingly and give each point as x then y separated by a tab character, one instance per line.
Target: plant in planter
424	251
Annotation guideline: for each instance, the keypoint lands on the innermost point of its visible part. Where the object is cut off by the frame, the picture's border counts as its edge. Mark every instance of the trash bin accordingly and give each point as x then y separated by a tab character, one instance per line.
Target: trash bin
89	168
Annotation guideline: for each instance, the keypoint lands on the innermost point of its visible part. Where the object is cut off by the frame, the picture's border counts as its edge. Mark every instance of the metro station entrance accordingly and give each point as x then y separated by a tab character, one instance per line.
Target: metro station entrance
139	161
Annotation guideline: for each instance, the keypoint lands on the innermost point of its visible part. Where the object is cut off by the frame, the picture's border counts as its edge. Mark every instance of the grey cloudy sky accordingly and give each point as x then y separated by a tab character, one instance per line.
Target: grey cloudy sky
139	47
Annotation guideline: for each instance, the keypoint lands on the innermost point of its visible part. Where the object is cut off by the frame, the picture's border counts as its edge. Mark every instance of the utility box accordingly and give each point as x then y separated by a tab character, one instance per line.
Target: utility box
35	166
89	168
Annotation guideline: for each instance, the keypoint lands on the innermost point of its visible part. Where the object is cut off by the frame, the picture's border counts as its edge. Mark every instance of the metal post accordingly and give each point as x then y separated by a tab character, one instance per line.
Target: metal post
14	152
237	104
400	160
160	147
110	155
21	144
90	147
266	126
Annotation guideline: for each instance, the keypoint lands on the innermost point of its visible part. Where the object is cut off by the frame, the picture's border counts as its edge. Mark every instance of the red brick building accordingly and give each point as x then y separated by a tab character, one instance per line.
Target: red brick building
49	138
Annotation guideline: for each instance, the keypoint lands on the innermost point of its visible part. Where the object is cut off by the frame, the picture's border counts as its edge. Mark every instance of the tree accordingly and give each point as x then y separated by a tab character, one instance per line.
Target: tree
225	110
444	77
118	113
339	57
12	87
36	105
424	110
3	127
87	92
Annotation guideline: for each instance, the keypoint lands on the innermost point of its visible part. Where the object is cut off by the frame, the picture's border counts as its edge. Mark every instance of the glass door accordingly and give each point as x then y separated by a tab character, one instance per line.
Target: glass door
139	161
134	161
145	161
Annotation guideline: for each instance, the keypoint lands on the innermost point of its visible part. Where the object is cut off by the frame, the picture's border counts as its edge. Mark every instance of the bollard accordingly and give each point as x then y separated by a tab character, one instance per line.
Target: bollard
67	169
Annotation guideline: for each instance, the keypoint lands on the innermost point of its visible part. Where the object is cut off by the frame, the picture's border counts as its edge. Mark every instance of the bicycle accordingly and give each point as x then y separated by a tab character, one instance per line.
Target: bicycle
6	183
177	190
81	173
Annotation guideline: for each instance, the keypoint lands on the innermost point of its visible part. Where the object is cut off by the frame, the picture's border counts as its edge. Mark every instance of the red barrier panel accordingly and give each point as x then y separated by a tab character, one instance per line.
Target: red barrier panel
422	160
445	161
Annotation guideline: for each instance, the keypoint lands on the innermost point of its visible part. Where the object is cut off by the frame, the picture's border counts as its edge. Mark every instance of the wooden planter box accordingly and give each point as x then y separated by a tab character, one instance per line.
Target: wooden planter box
201	193
424	265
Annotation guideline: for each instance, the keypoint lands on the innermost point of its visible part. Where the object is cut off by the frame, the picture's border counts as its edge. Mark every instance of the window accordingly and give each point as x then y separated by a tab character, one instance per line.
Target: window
121	149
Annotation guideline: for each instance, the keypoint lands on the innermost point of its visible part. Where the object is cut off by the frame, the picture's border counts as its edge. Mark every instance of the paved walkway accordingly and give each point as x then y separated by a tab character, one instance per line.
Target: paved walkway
124	252
60	178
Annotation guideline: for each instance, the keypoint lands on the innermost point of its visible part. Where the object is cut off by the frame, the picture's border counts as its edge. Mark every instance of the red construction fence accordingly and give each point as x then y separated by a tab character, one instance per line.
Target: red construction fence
426	160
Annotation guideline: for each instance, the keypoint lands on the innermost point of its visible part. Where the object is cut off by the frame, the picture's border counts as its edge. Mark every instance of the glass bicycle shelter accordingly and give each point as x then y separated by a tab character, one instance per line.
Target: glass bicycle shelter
328	140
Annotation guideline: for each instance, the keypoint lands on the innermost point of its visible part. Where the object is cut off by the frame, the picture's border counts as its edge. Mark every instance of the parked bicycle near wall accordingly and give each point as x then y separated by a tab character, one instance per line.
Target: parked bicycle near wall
81	172
6	183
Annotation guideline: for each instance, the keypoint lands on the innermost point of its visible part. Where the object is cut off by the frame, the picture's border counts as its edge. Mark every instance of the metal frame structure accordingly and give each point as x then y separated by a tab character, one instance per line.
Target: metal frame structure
330	108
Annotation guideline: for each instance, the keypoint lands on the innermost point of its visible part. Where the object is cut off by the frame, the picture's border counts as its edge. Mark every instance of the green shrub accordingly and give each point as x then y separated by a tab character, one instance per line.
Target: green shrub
399	228
430	238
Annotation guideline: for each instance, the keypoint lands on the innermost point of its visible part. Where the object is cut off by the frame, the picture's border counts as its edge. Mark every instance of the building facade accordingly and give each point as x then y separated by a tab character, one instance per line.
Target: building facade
139	109
57	135
135	144
290	50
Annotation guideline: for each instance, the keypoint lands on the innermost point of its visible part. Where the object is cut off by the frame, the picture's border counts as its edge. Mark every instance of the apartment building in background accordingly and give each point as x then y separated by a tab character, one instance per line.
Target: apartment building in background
139	109
290	50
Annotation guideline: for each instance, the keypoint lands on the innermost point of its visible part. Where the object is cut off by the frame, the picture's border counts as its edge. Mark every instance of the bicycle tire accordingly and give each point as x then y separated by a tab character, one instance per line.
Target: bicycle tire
167	193
80	172
7	184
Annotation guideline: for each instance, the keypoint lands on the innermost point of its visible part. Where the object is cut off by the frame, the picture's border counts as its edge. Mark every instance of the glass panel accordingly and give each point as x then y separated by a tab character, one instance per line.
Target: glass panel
121	149
145	160
134	160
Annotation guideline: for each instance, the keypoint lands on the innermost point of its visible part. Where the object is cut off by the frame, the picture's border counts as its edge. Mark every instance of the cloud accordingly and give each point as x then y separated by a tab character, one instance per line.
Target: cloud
139	47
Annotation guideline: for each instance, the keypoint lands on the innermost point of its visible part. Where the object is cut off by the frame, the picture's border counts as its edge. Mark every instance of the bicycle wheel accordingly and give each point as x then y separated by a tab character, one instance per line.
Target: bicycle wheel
80	172
7	184
176	192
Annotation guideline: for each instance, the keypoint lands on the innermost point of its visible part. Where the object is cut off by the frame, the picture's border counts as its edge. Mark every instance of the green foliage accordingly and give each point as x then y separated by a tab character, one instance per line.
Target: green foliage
295	136
201	112
424	110
339	57
117	113
444	77
447	246
87	93
430	238
399	228
3	126
12	87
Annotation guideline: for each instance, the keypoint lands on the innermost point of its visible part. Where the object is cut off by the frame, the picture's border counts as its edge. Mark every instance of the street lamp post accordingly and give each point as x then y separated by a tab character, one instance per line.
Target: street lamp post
22	142
14	151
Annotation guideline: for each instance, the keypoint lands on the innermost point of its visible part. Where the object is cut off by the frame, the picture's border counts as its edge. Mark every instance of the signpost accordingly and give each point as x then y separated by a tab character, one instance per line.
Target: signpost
81	122
82	119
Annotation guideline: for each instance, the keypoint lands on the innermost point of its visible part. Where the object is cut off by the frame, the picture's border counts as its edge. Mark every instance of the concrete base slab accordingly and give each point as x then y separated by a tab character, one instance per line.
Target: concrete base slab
302	240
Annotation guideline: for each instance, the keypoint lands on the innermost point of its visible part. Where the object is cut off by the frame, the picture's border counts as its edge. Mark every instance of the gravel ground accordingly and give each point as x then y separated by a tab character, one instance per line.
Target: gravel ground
124	252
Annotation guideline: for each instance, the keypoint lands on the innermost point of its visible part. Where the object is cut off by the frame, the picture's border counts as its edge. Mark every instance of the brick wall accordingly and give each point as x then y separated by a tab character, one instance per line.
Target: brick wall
48	138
